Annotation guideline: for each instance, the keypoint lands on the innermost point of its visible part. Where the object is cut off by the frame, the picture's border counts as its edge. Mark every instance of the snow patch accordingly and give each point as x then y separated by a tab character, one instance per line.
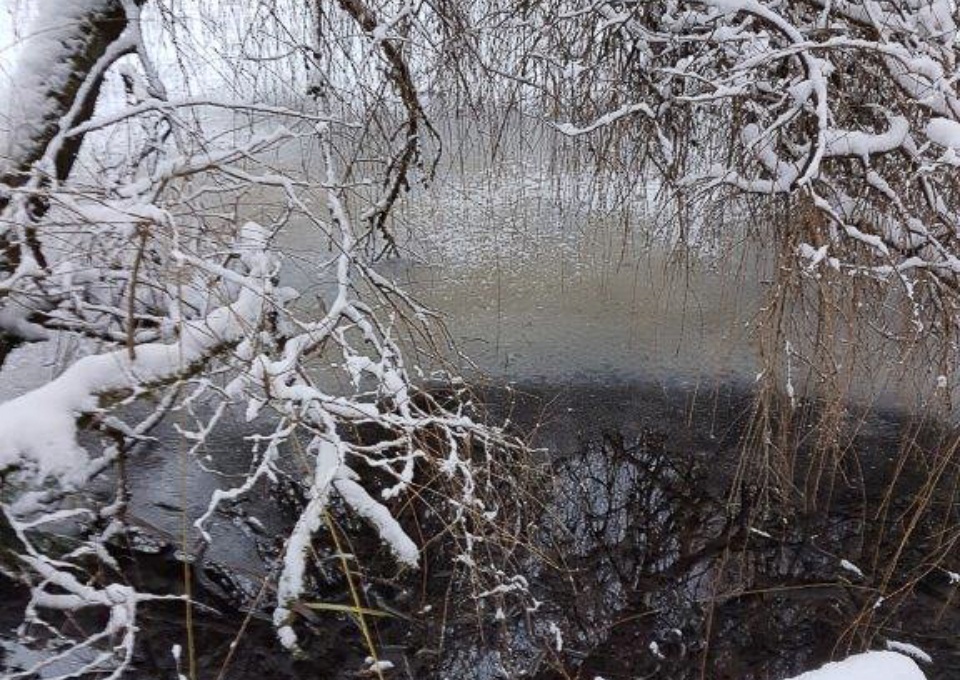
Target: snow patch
910	650
852	568
944	132
868	666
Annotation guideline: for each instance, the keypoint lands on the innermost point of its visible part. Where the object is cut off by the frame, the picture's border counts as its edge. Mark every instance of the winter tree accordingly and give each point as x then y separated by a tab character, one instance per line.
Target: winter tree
838	120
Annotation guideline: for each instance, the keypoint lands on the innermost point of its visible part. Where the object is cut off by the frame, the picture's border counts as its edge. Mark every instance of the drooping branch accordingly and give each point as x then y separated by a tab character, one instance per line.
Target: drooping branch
396	177
764	100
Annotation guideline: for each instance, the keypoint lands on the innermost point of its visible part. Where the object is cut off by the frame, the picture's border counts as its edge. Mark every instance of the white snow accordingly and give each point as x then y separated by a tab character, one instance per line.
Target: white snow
868	666
851	567
728	6
402	546
944	132
374	666
557	634
936	18
815	255
864	144
39	69
38	429
910	650
572	130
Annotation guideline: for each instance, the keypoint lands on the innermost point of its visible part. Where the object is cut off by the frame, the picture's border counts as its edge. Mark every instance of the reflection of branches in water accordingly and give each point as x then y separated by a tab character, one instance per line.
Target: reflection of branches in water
730	588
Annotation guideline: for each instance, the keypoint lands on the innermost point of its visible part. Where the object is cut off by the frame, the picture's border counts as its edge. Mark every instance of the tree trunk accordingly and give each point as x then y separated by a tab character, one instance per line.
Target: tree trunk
60	62
78	45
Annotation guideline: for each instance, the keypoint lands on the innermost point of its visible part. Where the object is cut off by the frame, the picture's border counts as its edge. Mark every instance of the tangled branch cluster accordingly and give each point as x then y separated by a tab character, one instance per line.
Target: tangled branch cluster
180	300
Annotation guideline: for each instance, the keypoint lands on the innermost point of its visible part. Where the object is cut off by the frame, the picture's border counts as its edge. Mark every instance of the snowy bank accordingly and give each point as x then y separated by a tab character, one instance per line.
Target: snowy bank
868	666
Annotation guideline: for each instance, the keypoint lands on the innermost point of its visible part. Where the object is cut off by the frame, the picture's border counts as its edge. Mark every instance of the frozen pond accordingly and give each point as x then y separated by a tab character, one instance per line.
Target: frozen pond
540	276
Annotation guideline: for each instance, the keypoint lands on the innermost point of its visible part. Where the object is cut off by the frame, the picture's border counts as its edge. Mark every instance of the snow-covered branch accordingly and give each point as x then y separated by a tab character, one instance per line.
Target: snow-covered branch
173	292
846	110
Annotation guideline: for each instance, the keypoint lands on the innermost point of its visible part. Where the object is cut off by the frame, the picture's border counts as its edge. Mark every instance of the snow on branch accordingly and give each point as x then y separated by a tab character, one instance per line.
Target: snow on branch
850	108
57	76
38	429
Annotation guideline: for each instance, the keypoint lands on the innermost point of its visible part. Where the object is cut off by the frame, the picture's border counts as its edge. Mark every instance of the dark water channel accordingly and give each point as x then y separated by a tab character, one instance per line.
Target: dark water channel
644	562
